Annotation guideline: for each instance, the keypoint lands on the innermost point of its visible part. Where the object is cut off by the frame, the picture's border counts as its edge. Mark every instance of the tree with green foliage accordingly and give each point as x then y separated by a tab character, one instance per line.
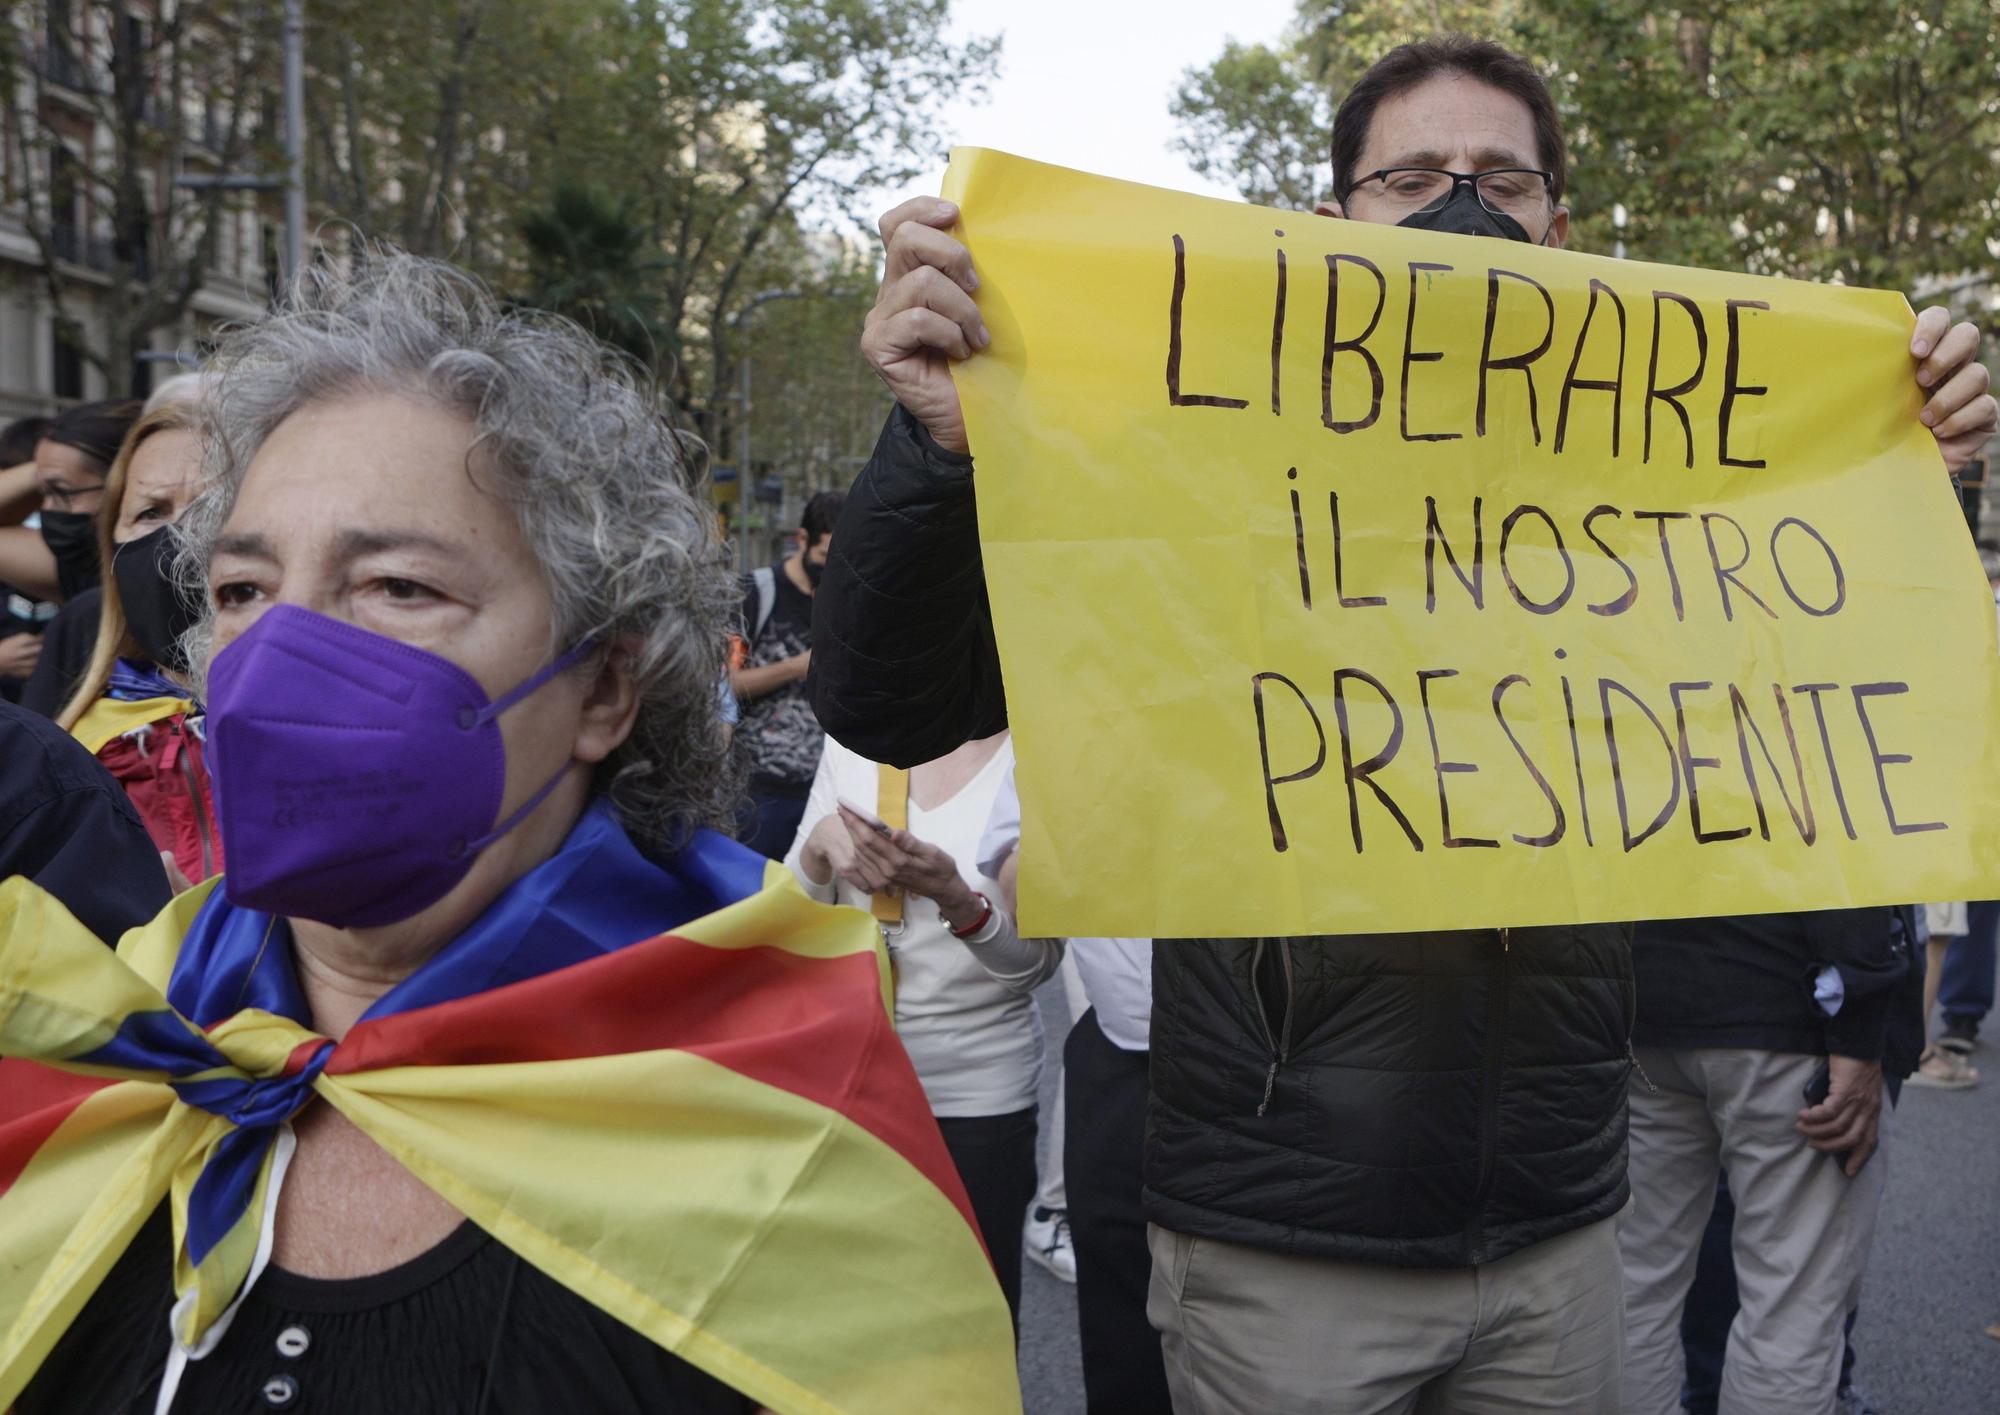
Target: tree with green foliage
1255	120
727	131
816	403
590	258
1853	140
1260	115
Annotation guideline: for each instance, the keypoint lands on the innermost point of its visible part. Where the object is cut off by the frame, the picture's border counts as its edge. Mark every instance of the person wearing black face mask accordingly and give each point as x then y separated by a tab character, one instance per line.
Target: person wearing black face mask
777	731
23	615
71	537
132	707
58	559
158	608
1381	1171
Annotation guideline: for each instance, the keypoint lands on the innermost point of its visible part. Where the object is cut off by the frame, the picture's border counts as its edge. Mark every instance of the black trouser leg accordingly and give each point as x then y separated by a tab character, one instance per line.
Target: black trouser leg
1104	1137
995	1156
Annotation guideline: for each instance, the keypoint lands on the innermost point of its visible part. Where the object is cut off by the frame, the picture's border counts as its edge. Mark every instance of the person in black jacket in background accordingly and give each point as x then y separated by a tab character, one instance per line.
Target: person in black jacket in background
66	825
1766	1044
1381	1169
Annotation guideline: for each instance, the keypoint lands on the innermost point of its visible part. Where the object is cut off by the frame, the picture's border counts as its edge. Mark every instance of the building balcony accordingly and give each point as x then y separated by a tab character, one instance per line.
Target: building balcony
93	258
79	247
58	64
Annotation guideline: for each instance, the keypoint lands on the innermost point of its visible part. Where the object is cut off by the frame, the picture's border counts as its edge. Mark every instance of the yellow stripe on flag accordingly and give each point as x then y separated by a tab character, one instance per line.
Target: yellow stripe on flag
108	718
120	1145
794	1233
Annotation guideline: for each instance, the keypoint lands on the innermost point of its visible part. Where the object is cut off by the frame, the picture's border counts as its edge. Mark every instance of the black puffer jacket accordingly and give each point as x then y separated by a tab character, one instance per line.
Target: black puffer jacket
1425	1100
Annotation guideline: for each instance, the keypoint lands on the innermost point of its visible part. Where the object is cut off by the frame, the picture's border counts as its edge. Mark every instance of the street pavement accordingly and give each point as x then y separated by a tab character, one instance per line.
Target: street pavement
1933	1283
1051	1360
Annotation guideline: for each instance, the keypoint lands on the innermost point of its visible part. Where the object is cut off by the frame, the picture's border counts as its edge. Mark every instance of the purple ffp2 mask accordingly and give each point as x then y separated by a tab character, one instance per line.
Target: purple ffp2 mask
357	777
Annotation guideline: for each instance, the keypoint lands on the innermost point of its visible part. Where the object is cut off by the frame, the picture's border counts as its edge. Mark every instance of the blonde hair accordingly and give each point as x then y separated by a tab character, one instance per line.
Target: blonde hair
181	388
114	638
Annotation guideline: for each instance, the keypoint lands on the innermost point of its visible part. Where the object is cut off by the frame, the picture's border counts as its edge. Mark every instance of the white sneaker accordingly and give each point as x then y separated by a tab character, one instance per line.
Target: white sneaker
1046	1237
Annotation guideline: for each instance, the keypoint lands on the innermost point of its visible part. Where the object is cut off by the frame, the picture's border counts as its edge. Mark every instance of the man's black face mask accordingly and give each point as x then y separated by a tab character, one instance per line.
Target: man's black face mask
1462	214
71	537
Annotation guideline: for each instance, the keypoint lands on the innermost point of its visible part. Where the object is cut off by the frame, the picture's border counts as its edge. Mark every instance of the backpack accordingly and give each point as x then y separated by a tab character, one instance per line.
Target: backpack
765	578
762	583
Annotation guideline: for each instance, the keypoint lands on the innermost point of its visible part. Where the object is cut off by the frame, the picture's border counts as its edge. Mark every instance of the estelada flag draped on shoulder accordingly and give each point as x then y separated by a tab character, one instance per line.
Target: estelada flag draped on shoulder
710	1132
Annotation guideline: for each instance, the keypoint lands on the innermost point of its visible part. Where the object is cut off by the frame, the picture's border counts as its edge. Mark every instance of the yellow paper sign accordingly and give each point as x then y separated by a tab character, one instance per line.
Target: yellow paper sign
1354	578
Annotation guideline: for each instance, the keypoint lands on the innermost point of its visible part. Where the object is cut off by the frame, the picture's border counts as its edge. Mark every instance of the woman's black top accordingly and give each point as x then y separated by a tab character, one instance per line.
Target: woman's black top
467	1328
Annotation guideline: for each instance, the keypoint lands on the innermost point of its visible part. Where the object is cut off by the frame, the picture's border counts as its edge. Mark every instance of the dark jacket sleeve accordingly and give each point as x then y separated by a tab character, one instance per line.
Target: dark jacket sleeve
1868	949
67	825
904	665
66	649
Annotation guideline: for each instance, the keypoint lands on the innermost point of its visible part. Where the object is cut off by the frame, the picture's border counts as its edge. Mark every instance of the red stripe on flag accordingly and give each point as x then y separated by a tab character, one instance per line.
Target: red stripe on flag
34	1101
812	1026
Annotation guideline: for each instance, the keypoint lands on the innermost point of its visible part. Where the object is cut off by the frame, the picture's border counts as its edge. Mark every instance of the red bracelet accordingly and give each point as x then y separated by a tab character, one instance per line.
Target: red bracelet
985	913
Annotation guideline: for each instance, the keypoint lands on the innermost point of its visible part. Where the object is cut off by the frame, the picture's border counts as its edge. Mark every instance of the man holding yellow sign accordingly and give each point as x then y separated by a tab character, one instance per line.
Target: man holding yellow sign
1399	585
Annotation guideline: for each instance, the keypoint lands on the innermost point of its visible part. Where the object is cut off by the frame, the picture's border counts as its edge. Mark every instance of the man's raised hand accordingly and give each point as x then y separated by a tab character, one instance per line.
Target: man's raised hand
1961	414
924	316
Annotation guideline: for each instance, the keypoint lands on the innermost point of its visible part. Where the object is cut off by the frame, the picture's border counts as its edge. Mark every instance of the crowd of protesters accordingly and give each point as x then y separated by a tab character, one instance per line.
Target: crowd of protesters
1589	1167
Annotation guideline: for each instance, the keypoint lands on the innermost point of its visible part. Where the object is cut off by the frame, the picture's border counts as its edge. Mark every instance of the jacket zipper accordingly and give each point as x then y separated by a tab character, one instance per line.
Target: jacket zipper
1281	1045
1631	1024
1489	1101
1633	1057
200	815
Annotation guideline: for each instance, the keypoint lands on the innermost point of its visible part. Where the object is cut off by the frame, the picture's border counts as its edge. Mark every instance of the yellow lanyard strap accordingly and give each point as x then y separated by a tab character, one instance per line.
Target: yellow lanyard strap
892	804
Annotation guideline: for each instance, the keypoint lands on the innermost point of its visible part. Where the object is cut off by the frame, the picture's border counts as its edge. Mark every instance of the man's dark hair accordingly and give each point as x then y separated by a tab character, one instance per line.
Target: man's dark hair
18	439
96	429
1408	65
820	514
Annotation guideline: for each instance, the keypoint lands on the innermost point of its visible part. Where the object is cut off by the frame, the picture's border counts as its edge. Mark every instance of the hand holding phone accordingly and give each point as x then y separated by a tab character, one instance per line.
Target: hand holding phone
1821	1083
1843	1110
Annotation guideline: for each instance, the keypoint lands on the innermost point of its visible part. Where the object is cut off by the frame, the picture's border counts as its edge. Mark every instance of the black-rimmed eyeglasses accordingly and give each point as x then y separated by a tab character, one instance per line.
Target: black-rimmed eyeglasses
1505	191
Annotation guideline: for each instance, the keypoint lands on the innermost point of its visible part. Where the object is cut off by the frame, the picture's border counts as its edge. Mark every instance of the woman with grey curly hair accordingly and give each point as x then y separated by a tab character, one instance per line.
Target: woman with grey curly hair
596	489
612	1121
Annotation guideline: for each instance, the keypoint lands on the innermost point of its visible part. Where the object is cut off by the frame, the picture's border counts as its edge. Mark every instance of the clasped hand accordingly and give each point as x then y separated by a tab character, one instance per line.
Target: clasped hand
854	849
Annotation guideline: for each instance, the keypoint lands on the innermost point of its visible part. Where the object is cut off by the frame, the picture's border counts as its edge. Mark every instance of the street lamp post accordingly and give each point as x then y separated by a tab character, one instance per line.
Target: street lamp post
743	422
295	138
293	183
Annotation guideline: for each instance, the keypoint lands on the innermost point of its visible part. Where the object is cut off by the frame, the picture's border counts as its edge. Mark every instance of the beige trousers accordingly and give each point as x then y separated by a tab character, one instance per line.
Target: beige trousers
1246	1331
1801	1236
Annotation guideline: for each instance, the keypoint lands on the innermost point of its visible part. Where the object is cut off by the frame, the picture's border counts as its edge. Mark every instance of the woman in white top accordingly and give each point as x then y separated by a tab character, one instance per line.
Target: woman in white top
963	973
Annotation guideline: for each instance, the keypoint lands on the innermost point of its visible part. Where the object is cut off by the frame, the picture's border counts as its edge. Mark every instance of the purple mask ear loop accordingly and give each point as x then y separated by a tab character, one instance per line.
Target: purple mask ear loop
468	719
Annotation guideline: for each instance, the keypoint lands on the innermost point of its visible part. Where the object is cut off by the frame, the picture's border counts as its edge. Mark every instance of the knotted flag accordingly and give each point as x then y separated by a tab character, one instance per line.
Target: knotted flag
710	1132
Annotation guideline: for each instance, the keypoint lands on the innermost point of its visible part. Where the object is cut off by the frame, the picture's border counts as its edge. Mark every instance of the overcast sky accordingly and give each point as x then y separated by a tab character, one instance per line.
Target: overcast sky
1085	83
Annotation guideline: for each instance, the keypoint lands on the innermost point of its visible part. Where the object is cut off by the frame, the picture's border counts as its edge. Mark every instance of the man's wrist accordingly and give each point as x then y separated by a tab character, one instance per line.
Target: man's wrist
930	448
